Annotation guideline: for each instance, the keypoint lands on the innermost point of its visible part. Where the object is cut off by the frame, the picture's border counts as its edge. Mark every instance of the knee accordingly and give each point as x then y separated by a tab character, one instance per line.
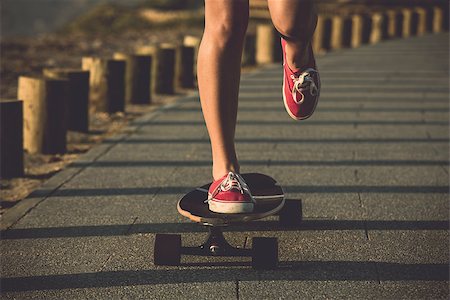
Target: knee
297	30
226	31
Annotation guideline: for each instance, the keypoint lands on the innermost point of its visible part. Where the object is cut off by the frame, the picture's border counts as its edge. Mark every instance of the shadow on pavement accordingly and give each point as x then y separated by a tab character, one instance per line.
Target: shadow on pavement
288	271
177	191
288	141
260	226
207	163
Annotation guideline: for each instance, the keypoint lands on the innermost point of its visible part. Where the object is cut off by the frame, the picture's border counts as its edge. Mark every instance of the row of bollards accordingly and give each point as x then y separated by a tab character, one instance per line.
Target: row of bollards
62	99
340	31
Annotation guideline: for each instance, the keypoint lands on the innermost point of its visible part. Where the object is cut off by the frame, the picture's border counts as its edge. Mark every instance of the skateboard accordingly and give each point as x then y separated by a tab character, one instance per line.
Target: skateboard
270	200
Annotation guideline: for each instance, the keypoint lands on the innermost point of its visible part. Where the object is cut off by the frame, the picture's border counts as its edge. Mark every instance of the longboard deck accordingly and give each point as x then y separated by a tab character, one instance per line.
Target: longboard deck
268	194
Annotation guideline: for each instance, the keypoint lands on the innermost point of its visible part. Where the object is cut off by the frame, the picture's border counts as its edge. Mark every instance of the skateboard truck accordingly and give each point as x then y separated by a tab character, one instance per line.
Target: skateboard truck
168	249
216	245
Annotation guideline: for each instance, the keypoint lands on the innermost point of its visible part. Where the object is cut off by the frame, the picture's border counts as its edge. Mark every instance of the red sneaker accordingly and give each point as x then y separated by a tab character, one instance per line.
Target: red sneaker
230	195
301	89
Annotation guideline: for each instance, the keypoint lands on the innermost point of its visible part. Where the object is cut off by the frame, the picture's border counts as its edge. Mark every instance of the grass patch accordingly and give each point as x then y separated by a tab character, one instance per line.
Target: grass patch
106	19
113	19
170	5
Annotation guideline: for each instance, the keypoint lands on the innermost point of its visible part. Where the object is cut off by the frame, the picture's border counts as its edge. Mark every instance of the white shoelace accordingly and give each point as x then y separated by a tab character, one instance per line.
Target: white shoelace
232	181
304	82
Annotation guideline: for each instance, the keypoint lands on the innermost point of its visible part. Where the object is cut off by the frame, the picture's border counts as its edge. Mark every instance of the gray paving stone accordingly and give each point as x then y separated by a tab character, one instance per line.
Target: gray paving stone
413	176
313	179
427	152
222	290
415	209
329	206
289	133
335	289
28	257
414	290
311	289
411	247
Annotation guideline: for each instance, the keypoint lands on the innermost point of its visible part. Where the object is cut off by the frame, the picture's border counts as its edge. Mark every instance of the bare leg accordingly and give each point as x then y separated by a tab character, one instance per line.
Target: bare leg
296	20
218	70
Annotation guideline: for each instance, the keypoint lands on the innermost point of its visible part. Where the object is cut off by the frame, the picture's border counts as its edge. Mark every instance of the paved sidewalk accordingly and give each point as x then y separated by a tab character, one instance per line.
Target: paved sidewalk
370	167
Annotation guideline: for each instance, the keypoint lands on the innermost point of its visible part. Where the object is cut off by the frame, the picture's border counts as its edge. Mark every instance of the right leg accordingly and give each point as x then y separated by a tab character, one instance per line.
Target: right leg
218	71
296	21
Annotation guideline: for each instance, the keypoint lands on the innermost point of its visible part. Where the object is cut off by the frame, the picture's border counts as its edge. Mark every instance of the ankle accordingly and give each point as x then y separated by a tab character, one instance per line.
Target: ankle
220	171
299	56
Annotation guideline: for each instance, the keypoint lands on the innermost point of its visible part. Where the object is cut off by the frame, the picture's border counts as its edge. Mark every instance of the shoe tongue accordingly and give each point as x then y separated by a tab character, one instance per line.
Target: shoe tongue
231	182
293	71
296	71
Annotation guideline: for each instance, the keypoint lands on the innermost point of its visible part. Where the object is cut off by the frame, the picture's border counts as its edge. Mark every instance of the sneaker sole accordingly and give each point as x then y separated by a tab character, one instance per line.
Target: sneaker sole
230	208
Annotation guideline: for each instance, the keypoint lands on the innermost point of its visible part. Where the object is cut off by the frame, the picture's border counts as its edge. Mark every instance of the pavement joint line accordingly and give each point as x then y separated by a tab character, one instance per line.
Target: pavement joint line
366	231
103	266
305	163
310	224
378	274
131	225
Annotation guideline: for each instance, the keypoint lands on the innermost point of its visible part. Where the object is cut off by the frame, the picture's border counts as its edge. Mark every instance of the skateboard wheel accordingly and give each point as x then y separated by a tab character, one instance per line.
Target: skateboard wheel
291	213
264	253
167	250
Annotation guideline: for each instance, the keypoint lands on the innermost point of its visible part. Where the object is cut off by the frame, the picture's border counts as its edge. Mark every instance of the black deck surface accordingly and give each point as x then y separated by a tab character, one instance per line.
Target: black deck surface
260	185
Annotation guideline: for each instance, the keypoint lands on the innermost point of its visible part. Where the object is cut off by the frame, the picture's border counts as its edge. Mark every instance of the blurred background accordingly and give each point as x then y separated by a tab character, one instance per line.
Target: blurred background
31	17
36	34
45	33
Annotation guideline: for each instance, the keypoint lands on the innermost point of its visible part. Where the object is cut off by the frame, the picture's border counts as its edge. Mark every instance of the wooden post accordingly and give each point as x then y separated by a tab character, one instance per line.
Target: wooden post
414	22
337	32
326	38
98	83
264	38
377	32
357	30
165	69
78	96
184	69
318	35
151	50
248	55
116	86
193	41
421	20
347	34
407	22
438	19
391	19
137	77
429	17
107	84
268	47
45	114
11	138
